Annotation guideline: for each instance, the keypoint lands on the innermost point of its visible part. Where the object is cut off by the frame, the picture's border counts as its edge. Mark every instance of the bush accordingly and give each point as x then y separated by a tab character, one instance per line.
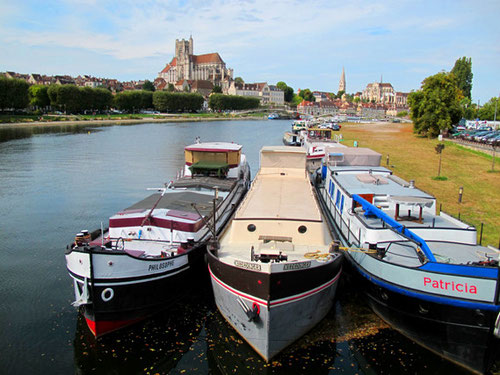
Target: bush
164	101
220	102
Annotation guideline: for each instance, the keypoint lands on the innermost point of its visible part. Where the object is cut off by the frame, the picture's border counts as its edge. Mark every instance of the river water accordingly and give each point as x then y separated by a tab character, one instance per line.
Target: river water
55	181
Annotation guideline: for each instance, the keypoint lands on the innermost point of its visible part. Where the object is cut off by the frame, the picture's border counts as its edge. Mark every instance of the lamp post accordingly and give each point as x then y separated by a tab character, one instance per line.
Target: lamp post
493	144
460	193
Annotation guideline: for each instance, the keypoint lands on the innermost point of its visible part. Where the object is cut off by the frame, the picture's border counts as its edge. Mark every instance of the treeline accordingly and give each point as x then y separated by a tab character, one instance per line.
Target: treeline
220	102
18	94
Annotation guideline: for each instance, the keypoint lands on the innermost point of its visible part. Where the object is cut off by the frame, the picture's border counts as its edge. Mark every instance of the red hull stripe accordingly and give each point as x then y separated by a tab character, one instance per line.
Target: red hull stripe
225	286
303	295
156	222
315	156
277	302
100	328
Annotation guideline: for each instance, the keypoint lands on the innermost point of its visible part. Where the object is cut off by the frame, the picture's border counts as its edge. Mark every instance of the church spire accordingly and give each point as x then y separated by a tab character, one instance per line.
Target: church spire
342	81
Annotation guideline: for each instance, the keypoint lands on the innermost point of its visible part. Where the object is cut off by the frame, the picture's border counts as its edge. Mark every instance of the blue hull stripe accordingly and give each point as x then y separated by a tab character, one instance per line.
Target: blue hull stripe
427	297
455	269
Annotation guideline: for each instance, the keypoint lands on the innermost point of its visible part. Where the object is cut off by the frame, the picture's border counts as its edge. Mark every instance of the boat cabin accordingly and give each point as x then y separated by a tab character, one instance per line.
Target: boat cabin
212	159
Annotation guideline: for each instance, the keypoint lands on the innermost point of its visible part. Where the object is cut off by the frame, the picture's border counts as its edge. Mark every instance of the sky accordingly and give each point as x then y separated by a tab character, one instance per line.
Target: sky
303	43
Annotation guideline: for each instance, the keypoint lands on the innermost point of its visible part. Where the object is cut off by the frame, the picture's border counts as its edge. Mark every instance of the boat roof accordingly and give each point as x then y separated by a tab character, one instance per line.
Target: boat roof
363	180
205	182
281	189
176	200
214	147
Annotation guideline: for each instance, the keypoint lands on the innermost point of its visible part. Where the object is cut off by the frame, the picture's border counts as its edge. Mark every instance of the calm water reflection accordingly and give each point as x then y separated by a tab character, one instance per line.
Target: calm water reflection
55	183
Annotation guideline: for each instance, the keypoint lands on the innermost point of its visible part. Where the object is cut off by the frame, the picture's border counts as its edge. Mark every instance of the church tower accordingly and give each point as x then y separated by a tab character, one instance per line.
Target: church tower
342	81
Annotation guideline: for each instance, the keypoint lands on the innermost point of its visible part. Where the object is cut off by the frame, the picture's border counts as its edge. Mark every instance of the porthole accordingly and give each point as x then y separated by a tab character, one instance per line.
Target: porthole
302	229
251	227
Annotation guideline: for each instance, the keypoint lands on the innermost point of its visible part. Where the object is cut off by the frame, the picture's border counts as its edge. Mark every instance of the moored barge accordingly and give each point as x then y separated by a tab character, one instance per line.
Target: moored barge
154	250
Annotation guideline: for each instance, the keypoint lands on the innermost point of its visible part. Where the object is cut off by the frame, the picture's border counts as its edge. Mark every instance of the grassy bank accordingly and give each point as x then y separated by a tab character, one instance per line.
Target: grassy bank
414	158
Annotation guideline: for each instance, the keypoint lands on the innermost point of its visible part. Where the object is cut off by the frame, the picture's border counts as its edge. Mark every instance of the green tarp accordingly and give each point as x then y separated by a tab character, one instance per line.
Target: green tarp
209	167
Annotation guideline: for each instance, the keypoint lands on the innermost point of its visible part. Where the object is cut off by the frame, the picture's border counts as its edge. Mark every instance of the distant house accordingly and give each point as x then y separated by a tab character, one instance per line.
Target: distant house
261	90
276	96
160	84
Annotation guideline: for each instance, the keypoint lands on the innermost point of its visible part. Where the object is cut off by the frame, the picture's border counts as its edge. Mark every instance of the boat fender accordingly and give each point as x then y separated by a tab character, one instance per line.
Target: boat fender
107	294
254	313
496	331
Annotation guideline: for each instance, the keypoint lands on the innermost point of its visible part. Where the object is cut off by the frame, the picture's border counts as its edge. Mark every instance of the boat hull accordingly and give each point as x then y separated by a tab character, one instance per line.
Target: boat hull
153	285
284	314
459	329
462	335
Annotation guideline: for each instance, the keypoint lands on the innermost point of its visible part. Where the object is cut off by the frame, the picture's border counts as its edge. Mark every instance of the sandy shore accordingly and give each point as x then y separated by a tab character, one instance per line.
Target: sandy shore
124	121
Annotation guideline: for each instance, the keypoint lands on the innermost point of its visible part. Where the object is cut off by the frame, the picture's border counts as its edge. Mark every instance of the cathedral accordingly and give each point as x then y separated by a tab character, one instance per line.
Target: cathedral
189	67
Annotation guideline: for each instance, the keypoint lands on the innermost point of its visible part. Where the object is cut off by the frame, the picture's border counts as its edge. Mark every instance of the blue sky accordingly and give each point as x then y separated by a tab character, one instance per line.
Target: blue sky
304	43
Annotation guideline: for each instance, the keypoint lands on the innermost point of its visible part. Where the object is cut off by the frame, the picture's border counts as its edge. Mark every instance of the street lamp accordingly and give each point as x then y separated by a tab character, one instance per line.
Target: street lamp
460	193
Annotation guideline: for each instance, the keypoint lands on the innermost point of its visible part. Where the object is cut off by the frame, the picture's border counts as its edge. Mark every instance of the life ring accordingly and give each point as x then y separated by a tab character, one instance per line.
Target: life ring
109	297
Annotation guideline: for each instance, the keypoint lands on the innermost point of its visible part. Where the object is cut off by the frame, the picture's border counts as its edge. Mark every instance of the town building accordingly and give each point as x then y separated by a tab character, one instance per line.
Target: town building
187	66
266	93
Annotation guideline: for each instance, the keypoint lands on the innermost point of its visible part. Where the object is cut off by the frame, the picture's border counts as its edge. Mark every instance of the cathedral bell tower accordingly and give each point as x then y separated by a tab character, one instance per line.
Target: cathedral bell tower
342	81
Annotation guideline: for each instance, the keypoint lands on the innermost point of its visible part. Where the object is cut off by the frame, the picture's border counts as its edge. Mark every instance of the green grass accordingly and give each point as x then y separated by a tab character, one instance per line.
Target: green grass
414	158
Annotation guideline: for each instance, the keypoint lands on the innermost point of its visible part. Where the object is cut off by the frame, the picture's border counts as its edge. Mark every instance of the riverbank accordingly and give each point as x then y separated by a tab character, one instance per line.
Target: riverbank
413	157
126	121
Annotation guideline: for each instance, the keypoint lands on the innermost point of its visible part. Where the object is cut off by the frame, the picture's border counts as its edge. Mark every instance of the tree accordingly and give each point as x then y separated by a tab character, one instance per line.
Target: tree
306	94
340	93
356	100
217	90
170	87
38	96
436	106
287	90
13	93
487	111
177	101
439	150
463	74
148	86
239	80
219	102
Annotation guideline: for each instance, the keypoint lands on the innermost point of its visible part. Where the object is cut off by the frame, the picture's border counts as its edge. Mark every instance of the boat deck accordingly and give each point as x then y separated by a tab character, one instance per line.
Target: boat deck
410	221
177	200
403	253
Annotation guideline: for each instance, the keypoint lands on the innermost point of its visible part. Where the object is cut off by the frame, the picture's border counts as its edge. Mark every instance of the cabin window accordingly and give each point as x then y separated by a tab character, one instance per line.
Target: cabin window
333	190
251	227
302	229
337	200
342	204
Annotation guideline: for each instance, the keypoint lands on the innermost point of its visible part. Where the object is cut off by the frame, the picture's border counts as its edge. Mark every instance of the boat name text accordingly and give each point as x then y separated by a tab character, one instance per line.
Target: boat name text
296	266
453	286
247	265
160	266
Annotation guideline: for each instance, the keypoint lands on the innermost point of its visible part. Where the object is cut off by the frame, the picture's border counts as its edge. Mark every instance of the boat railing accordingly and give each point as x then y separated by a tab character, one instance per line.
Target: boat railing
350	236
370	209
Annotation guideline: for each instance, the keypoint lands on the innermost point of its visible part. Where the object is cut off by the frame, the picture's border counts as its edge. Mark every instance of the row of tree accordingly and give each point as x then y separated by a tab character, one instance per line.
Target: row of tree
444	99
220	102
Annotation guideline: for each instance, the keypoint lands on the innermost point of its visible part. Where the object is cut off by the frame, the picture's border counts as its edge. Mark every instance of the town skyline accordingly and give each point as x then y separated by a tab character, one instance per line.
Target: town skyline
303	45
